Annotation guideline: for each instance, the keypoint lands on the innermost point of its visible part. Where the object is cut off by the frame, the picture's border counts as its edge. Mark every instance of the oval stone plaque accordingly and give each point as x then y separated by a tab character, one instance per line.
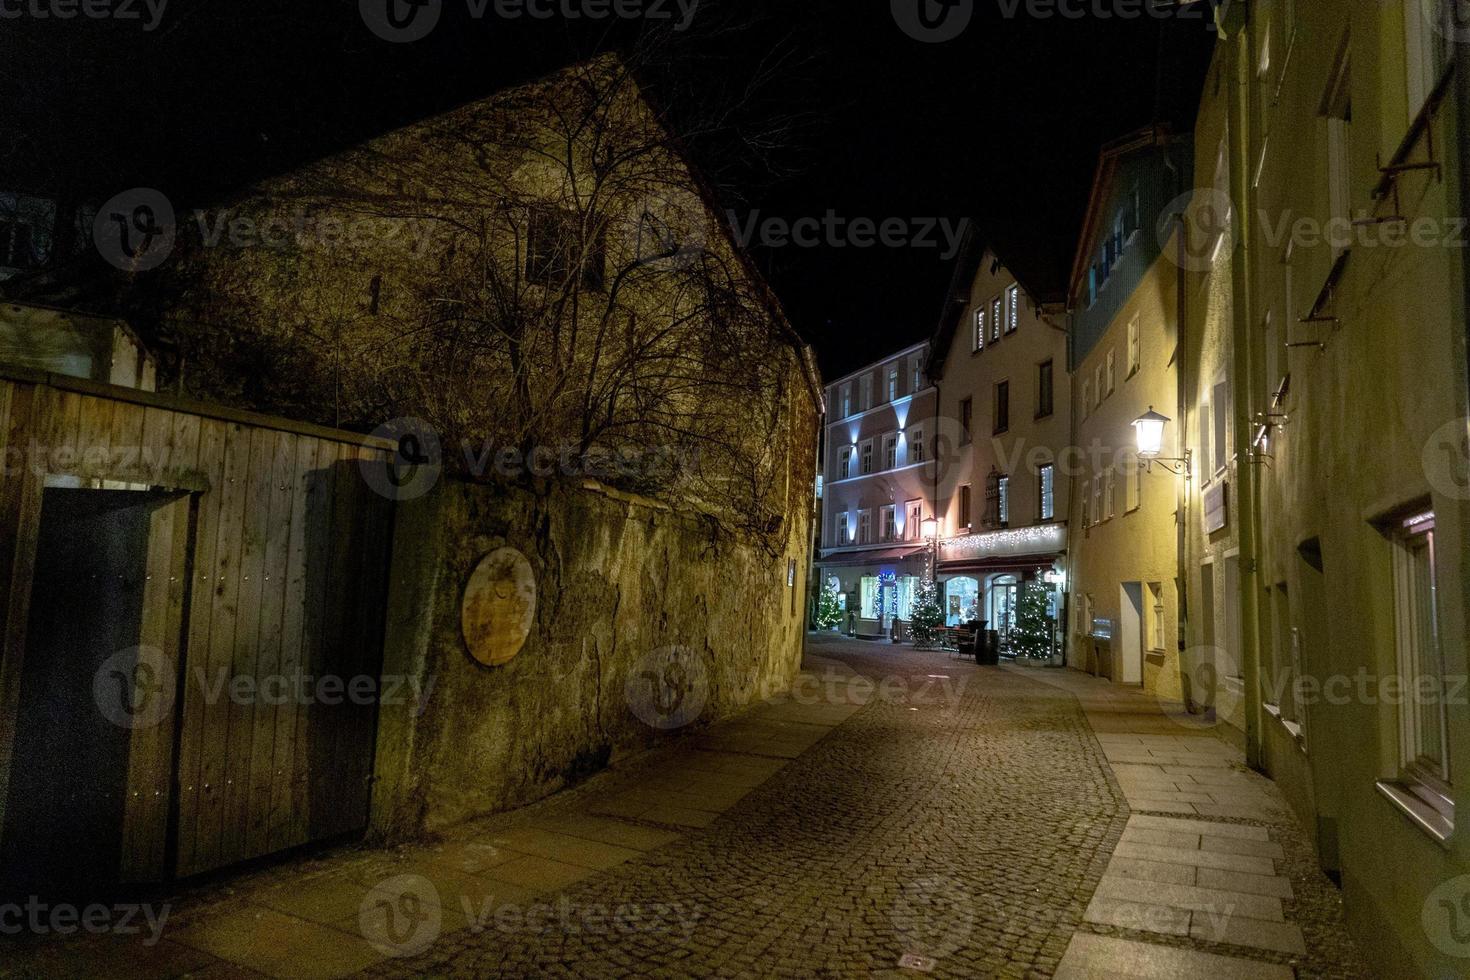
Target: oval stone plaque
499	607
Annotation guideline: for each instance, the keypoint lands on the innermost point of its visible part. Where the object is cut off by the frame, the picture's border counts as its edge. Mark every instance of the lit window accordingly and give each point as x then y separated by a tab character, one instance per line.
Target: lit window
913	519
980	329
997	316
868	593
1046	482
1003	501
1013	309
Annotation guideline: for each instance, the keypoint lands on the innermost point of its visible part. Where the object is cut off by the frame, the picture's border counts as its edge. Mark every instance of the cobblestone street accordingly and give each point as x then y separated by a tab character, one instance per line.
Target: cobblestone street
969	831
898	813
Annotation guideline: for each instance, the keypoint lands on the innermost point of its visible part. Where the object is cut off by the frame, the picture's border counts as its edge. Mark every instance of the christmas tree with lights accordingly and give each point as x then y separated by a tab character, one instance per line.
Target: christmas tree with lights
927	618
829	608
1031	635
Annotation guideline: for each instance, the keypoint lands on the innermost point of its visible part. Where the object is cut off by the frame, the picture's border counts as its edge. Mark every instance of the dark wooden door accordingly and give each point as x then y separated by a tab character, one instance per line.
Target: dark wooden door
89	789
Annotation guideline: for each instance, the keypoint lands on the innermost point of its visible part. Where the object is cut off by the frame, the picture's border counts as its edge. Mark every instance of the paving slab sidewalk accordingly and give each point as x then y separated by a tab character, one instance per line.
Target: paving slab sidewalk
1213	875
340	912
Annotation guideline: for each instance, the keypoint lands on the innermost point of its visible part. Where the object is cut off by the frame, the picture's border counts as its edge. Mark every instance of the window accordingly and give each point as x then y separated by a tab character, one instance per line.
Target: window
868	593
1156	616
844	463
916	373
980	329
840	529
1002	406
997	316
1110	484
964	515
889	523
1044	390
865	527
1339	143
1135	353
1222	424
1013	308
913	519
1423	736
916	444
967	419
1003	501
893	383
907	585
1097	385
1428	27
556	240
1132	485
1098	514
847	399
1086	408
1046	480
865	402
890	452
1111	372
867	456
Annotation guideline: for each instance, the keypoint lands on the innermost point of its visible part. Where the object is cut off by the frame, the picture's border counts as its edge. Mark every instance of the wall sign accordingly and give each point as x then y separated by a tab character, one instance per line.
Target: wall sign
499	607
1217	511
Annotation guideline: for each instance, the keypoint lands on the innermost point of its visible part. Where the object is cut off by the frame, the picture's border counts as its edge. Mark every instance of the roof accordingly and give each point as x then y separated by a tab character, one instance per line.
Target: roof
1156	135
973	250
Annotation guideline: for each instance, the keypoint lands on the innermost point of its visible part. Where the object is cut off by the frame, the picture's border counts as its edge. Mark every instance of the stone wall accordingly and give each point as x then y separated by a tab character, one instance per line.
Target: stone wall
620	581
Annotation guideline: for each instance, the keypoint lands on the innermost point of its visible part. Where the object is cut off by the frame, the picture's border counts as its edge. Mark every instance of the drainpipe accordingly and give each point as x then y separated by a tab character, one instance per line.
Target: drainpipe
1237	21
1182	487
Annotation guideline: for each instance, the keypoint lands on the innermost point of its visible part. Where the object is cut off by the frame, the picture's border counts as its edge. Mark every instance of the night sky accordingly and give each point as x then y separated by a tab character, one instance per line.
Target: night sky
847	113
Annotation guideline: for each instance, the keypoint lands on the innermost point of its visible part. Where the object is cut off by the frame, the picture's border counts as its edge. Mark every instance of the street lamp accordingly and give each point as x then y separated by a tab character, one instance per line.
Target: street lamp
929	528
1149	430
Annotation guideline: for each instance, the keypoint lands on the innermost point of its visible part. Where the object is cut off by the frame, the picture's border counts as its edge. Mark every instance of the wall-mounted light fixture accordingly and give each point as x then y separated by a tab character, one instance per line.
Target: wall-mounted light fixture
1149	430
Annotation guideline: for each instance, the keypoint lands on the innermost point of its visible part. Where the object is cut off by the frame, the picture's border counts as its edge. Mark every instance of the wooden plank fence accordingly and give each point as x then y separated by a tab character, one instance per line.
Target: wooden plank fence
267	561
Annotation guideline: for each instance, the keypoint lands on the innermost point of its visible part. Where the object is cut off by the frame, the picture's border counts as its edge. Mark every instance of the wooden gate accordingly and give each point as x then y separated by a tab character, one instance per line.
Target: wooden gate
248	699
